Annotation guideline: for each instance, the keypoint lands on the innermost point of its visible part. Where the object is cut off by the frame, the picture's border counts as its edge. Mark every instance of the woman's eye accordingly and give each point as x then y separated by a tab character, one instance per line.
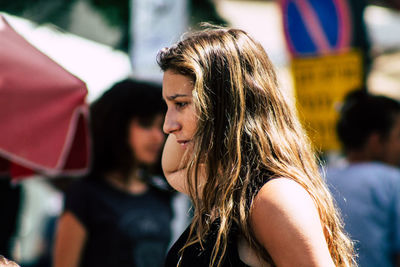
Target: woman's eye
180	104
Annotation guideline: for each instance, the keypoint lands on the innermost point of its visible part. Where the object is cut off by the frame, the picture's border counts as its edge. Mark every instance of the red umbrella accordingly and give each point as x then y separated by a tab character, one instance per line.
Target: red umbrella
43	113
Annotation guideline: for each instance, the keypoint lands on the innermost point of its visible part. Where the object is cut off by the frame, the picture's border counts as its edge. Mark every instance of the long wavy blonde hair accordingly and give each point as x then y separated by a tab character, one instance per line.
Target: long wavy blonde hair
247	133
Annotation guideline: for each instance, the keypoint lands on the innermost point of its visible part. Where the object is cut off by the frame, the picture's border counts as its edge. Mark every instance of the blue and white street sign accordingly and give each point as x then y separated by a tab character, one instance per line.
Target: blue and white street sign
316	27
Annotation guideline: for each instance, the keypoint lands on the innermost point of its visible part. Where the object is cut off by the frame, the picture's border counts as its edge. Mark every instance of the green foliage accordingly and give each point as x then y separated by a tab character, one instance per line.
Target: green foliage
204	11
16	7
41	11
115	12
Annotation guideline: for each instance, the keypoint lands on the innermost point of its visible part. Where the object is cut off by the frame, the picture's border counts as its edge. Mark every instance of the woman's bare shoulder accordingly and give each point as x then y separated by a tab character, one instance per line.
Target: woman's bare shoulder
285	220
282	200
280	192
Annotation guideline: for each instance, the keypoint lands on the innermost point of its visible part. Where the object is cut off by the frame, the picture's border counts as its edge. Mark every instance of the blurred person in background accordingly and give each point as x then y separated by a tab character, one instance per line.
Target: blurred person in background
367	190
119	215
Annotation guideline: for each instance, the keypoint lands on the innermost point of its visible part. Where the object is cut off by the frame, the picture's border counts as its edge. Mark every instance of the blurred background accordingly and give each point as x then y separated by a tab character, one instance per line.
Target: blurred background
104	41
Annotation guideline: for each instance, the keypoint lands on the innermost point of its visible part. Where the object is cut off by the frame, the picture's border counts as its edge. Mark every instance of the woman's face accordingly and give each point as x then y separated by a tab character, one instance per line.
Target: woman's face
146	141
181	119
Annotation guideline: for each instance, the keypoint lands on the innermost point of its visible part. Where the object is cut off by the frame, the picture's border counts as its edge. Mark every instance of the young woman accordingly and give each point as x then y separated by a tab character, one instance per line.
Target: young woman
237	148
118	215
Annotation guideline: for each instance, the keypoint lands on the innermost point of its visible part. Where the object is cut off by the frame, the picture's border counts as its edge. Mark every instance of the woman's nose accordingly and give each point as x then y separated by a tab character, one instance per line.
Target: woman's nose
171	125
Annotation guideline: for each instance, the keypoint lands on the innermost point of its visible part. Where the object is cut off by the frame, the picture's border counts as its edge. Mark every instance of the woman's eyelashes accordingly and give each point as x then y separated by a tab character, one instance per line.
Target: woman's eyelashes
181	105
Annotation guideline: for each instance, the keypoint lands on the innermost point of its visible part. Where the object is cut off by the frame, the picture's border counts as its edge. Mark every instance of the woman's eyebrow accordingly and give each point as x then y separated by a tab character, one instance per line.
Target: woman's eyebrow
173	97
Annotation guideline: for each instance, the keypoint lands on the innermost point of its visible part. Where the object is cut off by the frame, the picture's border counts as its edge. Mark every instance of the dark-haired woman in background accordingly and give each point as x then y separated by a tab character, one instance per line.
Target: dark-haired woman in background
119	215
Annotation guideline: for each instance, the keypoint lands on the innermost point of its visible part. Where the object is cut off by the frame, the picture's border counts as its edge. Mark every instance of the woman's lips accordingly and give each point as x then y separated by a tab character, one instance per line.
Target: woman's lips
183	143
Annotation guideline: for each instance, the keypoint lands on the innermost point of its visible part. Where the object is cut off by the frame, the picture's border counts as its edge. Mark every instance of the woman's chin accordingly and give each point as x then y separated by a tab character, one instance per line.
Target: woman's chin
178	186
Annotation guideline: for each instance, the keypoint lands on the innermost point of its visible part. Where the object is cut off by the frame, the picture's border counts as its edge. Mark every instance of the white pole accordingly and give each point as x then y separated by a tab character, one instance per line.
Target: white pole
154	24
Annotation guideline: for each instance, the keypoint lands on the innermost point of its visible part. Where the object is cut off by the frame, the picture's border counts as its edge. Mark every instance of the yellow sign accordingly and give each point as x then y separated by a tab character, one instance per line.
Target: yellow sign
320	85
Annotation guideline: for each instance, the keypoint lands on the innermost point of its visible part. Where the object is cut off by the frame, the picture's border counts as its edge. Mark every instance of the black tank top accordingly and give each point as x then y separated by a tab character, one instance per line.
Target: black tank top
195	256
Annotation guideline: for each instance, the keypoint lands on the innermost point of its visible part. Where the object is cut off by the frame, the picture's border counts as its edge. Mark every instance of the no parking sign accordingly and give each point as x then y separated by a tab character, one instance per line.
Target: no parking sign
315	27
324	67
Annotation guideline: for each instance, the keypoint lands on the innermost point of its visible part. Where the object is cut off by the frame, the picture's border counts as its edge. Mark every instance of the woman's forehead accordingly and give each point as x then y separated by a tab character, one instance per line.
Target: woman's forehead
176	85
